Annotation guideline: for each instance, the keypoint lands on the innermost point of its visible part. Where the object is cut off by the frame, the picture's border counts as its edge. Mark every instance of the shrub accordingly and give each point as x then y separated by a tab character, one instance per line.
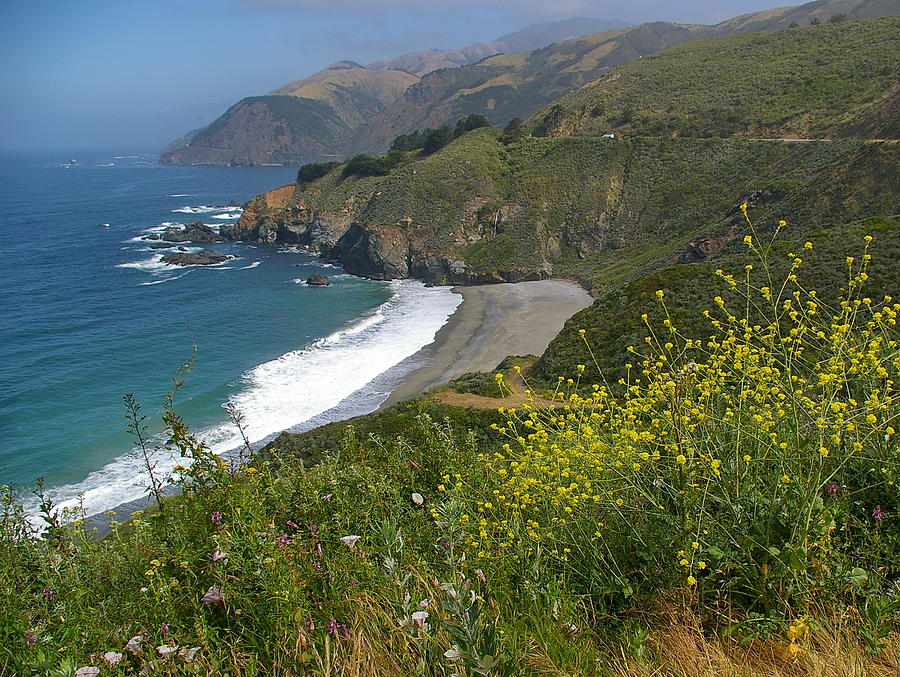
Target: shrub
435	139
372	165
468	123
514	131
407	142
315	170
756	468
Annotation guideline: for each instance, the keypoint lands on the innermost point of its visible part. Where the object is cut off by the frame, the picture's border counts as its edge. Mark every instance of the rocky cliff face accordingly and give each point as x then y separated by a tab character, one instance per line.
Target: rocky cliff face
282	215
383	252
597	210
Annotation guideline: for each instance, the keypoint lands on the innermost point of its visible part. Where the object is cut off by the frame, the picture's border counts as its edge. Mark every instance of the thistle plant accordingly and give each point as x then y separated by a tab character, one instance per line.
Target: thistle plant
148	454
473	641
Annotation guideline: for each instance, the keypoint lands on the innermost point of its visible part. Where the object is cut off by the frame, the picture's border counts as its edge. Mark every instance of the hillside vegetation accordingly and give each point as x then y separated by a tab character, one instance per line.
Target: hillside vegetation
831	80
598	210
615	322
511	84
732	511
300	121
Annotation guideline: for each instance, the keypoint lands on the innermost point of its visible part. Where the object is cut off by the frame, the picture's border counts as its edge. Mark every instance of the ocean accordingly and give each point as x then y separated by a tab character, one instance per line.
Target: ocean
91	314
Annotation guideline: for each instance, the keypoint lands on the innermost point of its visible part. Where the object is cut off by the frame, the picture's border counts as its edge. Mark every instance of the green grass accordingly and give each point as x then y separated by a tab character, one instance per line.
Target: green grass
605	211
814	82
468	559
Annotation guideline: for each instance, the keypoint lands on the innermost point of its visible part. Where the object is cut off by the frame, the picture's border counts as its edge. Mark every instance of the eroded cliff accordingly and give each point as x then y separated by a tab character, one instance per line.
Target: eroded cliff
598	210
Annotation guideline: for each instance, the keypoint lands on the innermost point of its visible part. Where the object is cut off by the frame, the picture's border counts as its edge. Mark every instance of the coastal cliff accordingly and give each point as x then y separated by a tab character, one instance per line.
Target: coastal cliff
598	210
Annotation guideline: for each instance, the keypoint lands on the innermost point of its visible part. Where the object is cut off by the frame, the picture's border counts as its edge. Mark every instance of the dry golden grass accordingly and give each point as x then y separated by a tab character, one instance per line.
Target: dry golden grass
679	648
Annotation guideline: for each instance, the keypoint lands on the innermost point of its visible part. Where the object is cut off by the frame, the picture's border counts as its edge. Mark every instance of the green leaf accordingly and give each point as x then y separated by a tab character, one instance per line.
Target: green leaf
858	577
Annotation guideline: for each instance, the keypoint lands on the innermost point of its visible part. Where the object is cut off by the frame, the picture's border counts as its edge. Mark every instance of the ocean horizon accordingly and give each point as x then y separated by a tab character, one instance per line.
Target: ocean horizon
95	314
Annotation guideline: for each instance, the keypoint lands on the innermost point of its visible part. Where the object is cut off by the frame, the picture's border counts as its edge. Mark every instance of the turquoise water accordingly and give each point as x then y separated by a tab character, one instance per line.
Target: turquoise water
91	314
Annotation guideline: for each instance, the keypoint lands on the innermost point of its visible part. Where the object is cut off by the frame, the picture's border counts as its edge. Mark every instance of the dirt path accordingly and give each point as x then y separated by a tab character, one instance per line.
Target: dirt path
515	399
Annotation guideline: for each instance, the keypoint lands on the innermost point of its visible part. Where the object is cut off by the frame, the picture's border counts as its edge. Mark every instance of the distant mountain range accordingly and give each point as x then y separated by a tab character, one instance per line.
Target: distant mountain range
532	37
348	108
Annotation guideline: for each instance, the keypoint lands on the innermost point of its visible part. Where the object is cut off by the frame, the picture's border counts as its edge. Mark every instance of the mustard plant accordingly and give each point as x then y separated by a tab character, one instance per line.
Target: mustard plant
717	464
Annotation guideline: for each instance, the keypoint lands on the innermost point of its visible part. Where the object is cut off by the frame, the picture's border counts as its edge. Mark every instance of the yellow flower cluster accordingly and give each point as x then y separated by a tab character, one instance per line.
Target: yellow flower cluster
774	401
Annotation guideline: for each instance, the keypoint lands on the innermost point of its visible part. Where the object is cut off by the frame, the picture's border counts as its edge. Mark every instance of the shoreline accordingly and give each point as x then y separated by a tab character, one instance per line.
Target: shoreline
493	322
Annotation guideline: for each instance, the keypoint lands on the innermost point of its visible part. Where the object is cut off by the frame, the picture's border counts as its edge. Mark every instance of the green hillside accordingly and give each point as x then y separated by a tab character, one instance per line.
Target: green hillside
614	321
598	210
516	85
298	122
830	80
512	85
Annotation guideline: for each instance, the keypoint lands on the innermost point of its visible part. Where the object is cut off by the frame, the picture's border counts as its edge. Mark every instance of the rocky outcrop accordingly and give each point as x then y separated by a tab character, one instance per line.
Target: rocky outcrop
318	281
280	216
205	257
702	248
196	231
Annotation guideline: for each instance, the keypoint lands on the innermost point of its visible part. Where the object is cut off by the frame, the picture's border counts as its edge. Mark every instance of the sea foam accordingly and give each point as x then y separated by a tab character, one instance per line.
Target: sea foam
296	387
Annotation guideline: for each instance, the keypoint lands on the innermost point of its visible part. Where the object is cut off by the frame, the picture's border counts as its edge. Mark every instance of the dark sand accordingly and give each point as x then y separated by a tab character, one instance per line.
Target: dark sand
492	322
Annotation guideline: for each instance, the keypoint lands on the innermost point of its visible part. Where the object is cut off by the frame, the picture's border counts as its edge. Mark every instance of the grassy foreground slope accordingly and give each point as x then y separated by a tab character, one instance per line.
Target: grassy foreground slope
830	80
734	512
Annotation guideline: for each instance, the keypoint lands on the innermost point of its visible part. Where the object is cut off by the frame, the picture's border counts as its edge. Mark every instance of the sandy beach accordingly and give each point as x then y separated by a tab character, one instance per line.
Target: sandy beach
492	322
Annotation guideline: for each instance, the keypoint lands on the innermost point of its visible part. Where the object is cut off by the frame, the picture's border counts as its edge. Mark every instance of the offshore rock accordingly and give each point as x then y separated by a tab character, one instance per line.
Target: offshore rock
205	257
318	281
196	231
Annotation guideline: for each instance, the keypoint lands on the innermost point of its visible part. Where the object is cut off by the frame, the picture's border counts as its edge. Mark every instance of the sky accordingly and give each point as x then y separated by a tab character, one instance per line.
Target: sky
135	74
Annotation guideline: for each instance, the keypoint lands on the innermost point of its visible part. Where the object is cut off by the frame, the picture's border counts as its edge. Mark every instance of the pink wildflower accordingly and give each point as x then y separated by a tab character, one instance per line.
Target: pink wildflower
419	618
189	655
335	628
213	596
112	657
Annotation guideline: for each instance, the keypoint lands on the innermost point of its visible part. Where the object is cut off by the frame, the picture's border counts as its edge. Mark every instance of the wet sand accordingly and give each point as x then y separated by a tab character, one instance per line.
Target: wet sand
492	322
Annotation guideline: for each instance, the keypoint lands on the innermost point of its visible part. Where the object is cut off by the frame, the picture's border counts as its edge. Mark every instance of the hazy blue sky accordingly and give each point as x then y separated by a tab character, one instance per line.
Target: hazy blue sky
137	73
